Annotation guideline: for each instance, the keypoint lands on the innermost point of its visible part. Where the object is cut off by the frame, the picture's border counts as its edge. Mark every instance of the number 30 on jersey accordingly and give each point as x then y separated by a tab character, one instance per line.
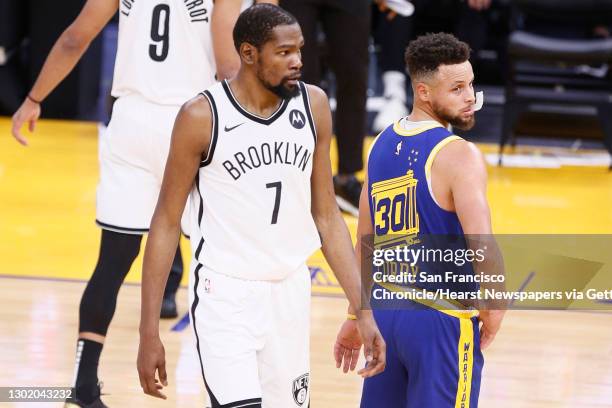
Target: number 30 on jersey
394	206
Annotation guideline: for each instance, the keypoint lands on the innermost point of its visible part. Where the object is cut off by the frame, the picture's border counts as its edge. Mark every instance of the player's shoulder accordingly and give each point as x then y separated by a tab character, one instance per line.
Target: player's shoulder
197	109
461	155
194	124
317	96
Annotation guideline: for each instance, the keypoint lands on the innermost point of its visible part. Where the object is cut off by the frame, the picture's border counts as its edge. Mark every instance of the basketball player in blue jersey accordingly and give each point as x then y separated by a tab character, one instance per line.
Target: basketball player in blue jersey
434	355
253	154
166	50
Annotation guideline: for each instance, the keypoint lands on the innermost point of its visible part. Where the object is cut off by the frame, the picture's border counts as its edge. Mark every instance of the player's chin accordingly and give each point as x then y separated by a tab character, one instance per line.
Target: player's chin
291	87
464	122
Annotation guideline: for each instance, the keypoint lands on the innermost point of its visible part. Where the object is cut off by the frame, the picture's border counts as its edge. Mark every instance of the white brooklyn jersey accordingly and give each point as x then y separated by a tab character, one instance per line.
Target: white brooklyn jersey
251	198
164	50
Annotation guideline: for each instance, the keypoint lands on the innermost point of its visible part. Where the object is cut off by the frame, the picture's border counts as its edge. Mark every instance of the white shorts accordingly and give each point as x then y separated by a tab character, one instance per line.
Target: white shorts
252	338
132	153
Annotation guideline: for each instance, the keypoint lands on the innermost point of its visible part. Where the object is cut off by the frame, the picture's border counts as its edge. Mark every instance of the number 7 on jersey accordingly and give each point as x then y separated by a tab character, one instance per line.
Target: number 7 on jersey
278	186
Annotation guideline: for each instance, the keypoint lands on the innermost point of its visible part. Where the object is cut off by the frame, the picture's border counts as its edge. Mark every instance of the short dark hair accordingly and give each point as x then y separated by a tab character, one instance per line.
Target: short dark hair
425	54
255	24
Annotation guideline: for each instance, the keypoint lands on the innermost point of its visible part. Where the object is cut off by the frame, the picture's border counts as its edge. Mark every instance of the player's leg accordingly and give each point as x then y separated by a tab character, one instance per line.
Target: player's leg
284	363
117	253
228	321
126	198
349	61
387	389
443	359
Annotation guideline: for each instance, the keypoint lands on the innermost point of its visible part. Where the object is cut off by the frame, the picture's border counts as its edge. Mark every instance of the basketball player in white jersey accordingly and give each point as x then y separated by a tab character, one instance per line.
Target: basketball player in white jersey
253	155
167	51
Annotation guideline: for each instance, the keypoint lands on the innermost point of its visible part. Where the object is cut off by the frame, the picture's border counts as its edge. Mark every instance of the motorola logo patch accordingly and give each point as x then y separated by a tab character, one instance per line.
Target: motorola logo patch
297	119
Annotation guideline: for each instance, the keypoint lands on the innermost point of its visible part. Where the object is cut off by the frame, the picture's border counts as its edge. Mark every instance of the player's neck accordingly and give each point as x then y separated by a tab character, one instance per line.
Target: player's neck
253	96
421	113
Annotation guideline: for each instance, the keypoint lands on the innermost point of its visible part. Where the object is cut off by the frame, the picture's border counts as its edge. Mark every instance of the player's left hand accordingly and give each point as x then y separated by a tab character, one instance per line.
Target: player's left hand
152	359
374	347
347	346
28	112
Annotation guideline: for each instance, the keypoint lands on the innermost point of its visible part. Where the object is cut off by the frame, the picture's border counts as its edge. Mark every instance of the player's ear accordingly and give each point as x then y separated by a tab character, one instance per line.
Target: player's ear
248	53
422	91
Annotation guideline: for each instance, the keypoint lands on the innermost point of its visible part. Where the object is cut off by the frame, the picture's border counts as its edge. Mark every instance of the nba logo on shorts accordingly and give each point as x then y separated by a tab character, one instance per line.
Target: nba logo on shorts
300	389
207	285
297	119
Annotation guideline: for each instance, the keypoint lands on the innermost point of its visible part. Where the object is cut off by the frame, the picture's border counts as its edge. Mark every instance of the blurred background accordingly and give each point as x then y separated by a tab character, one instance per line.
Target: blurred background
543	64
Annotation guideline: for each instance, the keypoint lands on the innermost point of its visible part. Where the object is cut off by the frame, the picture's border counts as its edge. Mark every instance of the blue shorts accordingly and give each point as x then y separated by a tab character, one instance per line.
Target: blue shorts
433	361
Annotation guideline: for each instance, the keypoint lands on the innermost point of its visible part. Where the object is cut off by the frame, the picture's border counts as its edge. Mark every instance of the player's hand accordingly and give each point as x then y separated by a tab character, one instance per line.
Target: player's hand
152	358
491	322
374	347
28	112
347	346
479	5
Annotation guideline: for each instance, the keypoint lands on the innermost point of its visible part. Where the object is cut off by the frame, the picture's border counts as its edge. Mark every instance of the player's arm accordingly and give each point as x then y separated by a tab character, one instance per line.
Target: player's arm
66	52
190	138
348	341
461	166
224	16
335	237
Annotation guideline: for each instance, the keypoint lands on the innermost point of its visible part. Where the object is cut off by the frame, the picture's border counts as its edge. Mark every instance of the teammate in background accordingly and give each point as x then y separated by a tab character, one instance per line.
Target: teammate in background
166	52
253	155
434	354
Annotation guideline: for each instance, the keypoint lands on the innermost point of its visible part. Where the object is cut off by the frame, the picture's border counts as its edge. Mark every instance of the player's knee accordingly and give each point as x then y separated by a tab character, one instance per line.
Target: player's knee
95	314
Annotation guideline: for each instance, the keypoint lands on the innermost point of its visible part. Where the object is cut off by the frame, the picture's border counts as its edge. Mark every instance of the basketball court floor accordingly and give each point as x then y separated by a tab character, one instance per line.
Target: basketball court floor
49	245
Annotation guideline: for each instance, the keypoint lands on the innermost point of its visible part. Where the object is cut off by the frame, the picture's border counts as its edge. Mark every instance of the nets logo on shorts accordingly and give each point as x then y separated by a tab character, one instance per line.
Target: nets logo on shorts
300	389
297	119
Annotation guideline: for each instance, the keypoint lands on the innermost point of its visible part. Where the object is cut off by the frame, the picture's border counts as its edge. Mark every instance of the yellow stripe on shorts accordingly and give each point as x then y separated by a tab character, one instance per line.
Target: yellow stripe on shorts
466	363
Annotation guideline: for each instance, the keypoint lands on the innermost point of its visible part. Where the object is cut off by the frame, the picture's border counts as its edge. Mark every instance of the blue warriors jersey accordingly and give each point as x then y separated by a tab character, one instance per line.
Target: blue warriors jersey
433	352
399	174
403	209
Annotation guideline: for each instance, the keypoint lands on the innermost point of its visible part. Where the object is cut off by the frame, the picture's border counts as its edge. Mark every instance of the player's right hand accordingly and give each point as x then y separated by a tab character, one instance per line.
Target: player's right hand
374	347
29	112
348	344
152	358
491	322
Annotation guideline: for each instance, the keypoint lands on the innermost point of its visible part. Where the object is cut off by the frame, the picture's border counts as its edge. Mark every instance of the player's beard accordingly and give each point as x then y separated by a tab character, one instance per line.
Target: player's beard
282	90
456	121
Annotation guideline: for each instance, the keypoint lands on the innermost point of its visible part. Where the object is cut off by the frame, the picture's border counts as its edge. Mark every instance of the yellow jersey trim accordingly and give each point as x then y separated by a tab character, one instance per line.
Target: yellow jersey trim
397	128
448	307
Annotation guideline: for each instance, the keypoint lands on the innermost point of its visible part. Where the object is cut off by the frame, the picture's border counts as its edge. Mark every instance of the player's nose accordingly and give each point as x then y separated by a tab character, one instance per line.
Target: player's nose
471	96
296	61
